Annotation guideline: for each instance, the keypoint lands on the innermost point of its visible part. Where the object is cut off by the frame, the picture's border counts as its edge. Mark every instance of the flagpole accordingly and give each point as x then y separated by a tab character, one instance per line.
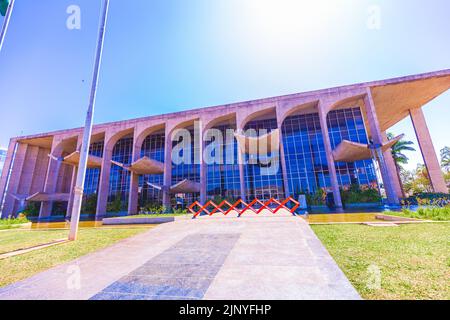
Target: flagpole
6	22
84	153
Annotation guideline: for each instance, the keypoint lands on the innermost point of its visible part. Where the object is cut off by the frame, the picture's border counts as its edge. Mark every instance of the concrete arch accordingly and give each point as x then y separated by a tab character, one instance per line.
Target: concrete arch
303	108
65	146
243	121
180	125
218	120
113	138
342	99
140	137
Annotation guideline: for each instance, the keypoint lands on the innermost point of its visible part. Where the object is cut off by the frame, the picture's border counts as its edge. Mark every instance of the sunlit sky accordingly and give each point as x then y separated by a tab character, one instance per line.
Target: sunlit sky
171	55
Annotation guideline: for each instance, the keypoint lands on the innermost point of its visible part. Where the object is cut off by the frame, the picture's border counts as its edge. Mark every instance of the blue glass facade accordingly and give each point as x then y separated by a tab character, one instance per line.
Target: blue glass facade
189	171
305	157
258	185
306	163
93	174
153	148
223	178
119	183
348	124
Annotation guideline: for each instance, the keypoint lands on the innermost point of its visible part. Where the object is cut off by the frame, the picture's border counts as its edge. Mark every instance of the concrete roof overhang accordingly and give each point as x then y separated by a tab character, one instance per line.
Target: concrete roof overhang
143	166
42	142
393	98
348	151
45	197
73	159
252	145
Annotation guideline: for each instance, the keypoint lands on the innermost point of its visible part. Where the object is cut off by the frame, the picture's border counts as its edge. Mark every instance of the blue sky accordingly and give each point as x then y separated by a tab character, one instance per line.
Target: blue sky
169	55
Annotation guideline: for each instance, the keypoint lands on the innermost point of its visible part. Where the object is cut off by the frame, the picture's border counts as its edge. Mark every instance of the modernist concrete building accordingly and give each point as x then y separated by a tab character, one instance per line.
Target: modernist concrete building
328	139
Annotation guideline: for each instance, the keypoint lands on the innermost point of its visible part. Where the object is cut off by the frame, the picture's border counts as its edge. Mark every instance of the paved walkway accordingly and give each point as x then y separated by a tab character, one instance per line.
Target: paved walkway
273	257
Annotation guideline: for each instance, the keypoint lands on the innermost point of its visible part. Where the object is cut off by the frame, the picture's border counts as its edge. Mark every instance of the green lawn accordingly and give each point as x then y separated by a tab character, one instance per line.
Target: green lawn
414	259
23	266
434	213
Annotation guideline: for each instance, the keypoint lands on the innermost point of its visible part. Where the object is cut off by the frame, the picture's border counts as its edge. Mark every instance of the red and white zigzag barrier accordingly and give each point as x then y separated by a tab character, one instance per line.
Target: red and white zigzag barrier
225	207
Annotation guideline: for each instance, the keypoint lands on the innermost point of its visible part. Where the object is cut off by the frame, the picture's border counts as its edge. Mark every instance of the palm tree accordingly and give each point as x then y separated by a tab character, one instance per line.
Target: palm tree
445	159
399	157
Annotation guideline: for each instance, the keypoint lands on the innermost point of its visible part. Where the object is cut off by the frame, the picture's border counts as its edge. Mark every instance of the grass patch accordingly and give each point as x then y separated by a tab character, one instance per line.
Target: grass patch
431	213
23	266
12	223
414	259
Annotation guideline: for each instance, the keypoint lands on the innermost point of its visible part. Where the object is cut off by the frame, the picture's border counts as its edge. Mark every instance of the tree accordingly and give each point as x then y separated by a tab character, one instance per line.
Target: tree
400	158
445	159
422	181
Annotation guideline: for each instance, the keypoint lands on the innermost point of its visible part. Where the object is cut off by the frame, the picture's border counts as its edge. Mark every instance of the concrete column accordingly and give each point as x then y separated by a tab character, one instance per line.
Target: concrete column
14	180
133	198
73	183
167	167
241	163
240	116
377	139
428	152
203	166
329	152
40	171
287	192
72	188
27	175
390	162
5	176
54	167
103	184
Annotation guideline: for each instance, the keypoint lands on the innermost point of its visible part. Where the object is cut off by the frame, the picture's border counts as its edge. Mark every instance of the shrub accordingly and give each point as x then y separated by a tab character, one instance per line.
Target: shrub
356	194
316	199
179	211
153	209
32	209
89	205
430	213
421	199
115	205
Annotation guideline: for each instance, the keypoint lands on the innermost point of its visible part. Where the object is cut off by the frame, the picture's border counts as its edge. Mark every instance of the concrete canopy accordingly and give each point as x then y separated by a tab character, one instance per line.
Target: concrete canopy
45	197
395	97
73	159
254	145
143	166
348	151
185	186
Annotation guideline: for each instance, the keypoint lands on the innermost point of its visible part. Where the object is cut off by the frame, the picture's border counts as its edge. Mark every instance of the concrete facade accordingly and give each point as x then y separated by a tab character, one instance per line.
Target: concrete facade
37	166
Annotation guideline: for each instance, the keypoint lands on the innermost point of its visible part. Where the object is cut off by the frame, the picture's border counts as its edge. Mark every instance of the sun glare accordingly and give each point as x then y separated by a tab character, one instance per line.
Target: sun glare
289	16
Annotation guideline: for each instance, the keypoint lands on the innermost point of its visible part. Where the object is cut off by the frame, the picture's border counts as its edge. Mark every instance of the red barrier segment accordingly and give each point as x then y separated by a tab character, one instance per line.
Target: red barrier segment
247	206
